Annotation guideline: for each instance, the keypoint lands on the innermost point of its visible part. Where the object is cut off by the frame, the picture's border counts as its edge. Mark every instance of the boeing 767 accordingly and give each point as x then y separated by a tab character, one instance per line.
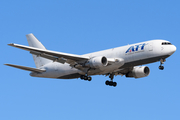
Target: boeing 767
126	60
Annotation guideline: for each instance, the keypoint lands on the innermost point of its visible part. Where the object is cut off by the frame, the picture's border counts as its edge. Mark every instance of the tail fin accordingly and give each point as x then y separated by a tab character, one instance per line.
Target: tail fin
34	42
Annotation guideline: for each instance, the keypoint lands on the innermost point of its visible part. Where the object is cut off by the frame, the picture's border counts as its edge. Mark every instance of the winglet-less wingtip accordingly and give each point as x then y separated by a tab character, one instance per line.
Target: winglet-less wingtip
11	44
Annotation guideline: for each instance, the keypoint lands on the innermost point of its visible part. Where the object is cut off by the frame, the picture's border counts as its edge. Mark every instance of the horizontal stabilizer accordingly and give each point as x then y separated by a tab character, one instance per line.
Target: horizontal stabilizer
27	68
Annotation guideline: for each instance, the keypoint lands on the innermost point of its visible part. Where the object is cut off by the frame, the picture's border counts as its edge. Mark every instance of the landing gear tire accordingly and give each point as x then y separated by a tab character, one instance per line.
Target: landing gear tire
89	78
83	77
161	67
111	83
114	84
107	82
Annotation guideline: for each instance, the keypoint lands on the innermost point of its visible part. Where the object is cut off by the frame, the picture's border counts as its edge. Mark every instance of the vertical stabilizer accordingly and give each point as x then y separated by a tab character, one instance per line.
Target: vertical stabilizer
34	42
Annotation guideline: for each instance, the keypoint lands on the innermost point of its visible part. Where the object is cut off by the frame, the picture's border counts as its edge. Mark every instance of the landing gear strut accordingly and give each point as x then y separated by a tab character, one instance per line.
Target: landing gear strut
111	83
162	62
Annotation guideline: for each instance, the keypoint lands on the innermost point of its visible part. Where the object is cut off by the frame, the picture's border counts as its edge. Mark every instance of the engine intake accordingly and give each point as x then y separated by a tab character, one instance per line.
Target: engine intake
139	72
97	62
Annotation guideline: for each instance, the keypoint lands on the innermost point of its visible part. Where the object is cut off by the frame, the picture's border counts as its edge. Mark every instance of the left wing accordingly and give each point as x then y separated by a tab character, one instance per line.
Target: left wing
72	59
76	61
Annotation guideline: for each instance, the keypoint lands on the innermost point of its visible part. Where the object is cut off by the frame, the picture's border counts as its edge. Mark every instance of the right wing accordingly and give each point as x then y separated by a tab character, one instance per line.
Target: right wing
27	68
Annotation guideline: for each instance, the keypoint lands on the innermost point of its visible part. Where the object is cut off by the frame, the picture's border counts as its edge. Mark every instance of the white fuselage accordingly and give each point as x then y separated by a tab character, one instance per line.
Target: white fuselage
132	55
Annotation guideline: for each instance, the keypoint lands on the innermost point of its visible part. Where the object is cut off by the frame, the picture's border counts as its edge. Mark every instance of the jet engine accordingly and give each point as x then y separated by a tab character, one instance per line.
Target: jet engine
97	62
139	72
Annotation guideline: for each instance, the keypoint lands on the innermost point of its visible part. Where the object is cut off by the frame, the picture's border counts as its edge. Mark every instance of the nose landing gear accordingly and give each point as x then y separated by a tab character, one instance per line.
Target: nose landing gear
162	62
161	67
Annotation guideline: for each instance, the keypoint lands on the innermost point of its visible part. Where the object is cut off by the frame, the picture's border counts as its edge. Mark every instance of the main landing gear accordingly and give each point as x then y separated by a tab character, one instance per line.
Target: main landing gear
162	62
111	83
84	77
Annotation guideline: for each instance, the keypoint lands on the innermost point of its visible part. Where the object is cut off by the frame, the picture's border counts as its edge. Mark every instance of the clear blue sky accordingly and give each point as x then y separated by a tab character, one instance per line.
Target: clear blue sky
81	27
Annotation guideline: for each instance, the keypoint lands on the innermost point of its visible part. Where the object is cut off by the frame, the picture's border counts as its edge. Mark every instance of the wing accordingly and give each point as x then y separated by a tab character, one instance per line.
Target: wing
72	59
76	61
26	68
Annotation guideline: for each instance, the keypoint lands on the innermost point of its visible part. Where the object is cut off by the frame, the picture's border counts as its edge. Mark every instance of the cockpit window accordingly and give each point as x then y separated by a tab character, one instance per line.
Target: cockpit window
166	43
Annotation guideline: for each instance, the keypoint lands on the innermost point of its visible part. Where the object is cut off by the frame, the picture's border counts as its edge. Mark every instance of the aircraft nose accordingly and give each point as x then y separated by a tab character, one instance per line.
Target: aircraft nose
173	48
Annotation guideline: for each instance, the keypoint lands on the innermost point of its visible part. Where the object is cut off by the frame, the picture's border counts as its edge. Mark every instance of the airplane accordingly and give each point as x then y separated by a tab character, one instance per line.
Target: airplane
126	60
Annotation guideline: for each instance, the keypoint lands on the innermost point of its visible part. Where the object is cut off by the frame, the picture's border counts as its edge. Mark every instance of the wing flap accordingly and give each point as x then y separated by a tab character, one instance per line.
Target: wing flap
27	68
53	58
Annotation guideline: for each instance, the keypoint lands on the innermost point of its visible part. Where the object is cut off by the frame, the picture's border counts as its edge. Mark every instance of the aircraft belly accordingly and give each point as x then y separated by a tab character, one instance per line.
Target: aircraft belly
143	61
107	69
65	71
58	70
70	76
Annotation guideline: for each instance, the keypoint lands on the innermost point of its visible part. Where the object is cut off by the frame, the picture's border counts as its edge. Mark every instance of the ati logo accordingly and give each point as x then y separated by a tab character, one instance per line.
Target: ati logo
135	48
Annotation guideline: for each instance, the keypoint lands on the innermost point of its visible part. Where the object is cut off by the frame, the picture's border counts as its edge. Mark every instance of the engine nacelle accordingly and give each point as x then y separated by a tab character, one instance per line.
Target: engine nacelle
97	62
139	72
